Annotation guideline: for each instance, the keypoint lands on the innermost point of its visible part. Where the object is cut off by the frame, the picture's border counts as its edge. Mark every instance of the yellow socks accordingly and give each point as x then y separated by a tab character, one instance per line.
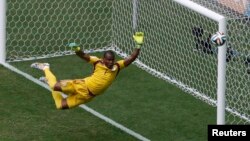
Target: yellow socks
58	99
55	94
50	77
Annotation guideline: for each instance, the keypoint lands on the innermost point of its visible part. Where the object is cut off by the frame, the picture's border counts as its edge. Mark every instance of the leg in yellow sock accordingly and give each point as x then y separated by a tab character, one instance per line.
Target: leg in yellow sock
58	99
52	82
51	79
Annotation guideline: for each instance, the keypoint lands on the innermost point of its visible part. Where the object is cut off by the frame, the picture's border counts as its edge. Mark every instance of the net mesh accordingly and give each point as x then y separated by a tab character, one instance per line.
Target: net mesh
227	8
238	56
42	28
176	49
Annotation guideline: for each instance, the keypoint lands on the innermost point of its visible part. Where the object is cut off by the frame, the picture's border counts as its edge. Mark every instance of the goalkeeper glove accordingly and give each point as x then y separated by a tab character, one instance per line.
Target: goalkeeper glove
138	37
74	46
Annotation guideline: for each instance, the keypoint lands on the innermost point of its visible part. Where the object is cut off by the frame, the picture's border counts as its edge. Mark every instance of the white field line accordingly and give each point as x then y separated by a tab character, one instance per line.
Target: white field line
88	109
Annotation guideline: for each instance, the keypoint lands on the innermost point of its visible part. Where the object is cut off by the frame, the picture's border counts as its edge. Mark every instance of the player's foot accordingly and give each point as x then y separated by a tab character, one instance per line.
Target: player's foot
40	66
43	79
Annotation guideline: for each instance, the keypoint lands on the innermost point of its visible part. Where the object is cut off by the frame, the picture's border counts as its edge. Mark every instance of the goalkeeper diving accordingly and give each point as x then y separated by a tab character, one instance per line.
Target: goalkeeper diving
80	91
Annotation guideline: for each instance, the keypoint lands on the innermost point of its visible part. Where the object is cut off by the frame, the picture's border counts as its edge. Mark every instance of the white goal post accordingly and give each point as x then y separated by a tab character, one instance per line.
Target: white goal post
221	67
2	31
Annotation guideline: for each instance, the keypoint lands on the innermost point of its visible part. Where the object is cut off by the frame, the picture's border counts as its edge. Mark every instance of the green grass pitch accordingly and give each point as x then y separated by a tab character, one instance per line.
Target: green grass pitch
137	100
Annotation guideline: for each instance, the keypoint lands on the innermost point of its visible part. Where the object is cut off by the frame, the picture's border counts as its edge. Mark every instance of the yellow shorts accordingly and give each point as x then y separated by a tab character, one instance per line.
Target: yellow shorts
77	92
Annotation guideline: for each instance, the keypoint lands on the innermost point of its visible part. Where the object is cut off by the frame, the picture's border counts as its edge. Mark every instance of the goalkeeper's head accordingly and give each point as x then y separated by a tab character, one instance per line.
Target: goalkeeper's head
109	59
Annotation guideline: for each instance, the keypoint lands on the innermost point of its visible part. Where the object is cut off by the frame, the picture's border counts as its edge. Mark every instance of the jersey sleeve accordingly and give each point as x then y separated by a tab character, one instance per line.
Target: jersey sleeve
121	64
93	59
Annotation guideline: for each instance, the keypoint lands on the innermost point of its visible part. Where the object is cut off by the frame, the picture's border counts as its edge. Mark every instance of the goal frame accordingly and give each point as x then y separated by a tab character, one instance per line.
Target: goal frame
221	64
2	31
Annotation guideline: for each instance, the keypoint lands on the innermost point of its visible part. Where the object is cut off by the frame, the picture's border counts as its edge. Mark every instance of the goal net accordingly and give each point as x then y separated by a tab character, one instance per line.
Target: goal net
177	47
238	56
42	28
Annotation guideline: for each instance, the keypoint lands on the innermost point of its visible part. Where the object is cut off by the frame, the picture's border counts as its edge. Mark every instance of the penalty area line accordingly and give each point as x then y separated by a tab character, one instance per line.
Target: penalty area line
86	108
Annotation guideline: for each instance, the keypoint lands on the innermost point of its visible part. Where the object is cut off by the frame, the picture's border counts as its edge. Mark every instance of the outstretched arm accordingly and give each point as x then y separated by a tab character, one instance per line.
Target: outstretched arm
138	37
132	57
79	52
83	55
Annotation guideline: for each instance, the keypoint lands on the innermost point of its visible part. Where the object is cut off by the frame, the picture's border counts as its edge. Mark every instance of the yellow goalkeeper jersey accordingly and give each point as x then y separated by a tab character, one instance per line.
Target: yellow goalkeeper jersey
102	76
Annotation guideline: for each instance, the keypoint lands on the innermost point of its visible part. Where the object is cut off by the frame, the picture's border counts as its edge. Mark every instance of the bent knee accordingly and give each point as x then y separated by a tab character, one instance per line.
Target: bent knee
57	87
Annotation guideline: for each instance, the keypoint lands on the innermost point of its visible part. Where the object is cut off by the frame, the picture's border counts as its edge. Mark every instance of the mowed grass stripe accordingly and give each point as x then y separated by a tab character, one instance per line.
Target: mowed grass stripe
27	112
